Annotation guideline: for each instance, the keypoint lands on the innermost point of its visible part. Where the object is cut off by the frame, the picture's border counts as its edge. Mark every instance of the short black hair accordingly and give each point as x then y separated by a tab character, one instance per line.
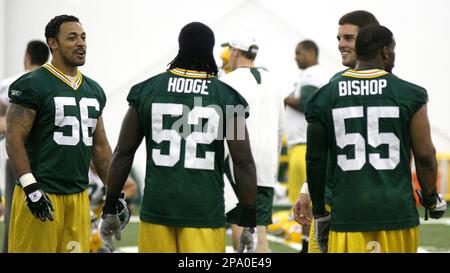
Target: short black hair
38	52
52	28
196	42
310	45
371	39
251	53
358	18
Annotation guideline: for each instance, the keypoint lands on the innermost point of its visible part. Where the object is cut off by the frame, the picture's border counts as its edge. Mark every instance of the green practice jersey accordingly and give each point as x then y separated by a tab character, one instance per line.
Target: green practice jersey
337	75
327	189
182	114
367	116
60	141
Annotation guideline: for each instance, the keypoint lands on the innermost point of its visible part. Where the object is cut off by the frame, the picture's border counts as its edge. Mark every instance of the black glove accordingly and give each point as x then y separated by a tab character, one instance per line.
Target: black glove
38	202
434	204
322	229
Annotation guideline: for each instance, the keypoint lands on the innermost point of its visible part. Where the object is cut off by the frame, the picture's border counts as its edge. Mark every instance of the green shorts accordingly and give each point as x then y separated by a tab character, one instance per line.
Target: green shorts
264	204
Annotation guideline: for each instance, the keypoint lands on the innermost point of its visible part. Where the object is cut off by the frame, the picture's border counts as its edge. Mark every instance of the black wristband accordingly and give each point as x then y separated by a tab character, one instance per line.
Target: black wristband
248	218
110	206
31	188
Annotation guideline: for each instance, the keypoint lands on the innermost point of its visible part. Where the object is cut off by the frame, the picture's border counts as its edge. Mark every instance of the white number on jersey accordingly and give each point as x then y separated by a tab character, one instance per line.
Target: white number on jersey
191	161
374	138
62	120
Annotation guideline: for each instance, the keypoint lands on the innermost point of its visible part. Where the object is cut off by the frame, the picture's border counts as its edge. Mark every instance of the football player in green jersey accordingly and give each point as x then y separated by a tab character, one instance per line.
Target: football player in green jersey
349	25
364	125
182	113
54	128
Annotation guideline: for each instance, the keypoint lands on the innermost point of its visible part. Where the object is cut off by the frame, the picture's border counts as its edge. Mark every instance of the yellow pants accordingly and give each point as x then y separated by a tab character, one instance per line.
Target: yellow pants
69	232
154	238
296	171
384	241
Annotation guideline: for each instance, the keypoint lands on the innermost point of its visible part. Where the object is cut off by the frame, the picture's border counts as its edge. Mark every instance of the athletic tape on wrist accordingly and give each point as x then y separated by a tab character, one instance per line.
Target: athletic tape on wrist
305	189
27	179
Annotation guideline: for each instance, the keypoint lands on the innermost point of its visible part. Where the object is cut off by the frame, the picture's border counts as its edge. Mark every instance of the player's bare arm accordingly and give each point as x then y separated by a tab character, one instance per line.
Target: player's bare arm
129	140
101	151
19	122
244	167
424	151
245	175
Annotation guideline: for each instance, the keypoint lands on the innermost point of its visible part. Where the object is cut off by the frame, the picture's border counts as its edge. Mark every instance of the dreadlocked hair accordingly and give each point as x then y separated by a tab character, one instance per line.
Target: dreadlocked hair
196	43
204	63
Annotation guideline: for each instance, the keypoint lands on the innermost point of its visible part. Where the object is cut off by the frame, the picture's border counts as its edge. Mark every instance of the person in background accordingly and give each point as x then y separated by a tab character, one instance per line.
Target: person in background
265	127
312	78
36	54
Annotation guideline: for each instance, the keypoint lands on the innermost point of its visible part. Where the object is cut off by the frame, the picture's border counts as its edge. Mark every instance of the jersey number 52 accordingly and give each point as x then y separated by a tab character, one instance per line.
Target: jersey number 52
191	161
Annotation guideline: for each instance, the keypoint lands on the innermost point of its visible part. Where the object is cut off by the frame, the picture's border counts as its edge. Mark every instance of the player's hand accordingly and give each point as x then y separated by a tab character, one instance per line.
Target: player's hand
322	229
435	205
123	211
246	242
302	210
440	208
110	226
38	202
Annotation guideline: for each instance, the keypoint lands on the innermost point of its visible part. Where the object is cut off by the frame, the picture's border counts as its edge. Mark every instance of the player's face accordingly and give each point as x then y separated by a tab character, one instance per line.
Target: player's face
390	57
72	43
347	39
300	57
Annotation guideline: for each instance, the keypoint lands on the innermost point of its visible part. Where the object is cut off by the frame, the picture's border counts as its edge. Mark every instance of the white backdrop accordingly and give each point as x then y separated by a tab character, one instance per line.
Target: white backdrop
129	41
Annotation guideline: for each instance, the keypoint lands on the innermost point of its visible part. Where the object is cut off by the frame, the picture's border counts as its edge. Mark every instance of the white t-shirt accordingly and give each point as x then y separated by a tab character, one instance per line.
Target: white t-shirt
4	86
266	121
295	120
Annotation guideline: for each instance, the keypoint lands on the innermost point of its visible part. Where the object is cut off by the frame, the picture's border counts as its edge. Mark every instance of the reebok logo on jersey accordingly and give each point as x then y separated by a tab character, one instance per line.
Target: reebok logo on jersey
15	93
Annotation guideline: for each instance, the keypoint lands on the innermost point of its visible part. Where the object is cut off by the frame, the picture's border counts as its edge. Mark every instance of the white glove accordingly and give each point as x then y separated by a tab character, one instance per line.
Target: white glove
110	225
246	242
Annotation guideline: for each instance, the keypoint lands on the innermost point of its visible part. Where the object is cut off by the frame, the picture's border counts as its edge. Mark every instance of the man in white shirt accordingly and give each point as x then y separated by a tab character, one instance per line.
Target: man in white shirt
36	54
312	78
265	127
